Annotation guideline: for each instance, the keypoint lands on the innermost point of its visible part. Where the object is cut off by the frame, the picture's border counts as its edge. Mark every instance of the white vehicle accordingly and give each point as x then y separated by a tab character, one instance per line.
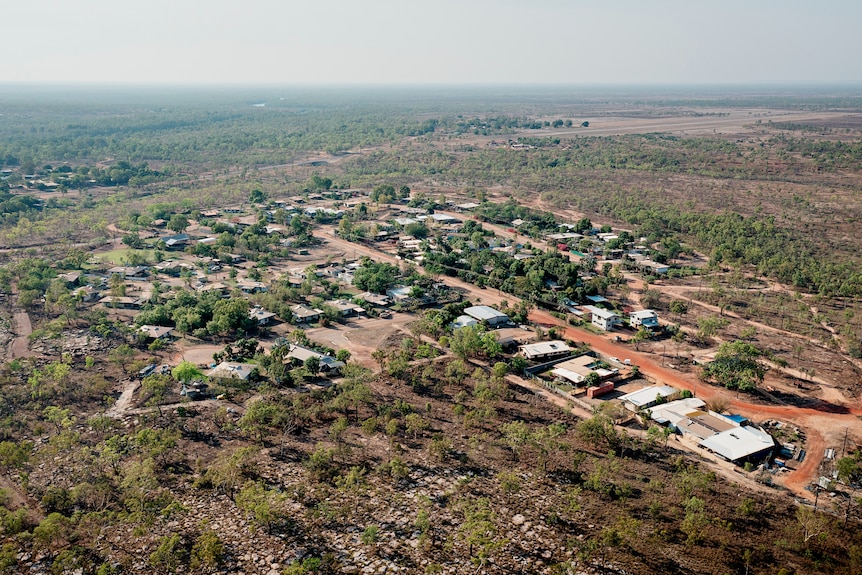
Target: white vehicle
616	359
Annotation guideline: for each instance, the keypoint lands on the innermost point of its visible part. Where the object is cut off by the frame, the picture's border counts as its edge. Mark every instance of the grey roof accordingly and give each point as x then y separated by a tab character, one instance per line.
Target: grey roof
647	395
463	321
545	348
484	313
232	369
739	443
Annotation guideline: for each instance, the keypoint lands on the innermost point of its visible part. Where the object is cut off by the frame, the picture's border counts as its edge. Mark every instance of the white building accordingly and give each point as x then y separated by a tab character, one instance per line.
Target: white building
644	318
487	314
602	318
545	349
647	397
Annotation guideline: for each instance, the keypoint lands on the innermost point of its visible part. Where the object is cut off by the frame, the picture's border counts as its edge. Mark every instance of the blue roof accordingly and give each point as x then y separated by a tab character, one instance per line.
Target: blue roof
737	418
596	298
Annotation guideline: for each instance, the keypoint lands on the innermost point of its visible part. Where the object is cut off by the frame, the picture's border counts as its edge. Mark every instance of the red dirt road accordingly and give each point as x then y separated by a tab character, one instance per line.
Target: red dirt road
811	420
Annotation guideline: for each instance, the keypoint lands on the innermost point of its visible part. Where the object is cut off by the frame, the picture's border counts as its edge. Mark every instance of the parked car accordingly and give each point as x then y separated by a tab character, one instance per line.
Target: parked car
147	371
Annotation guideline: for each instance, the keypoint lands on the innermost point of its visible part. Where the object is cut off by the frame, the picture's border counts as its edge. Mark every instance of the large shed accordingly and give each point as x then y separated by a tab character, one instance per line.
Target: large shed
488	314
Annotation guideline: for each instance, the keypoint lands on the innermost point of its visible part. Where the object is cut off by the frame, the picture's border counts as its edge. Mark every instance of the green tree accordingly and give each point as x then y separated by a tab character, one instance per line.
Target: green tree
736	366
157	387
186	371
170	555
208	552
178	223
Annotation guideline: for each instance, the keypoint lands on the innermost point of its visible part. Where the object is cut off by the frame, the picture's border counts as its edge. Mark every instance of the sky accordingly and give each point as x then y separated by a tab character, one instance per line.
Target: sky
475	42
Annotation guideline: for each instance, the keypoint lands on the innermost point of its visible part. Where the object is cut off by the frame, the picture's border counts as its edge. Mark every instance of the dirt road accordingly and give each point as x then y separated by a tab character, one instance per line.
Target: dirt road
20	346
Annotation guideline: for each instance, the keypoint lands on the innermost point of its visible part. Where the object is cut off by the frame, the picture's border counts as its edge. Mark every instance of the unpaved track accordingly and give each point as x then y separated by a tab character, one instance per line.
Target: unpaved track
20	346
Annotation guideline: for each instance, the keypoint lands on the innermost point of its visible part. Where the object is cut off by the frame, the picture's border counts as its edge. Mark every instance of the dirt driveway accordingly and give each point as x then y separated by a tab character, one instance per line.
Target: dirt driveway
20	346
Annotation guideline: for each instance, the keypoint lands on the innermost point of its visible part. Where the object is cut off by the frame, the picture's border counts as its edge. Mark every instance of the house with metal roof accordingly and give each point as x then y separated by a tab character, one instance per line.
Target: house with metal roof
487	314
545	350
740	444
647	397
646	318
602	318
232	370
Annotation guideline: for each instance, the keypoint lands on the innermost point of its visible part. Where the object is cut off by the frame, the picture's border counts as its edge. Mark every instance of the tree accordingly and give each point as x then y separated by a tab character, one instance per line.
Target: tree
678	307
709	326
257	197
641	336
650	298
186	371
736	366
157	386
208	552
230	316
312	365
474	340
178	223
812	523
133	240
169	555
121	356
479	530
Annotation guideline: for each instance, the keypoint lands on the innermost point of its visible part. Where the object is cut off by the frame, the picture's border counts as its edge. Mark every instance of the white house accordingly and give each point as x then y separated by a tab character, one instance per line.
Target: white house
602	318
488	314
545	349
646	318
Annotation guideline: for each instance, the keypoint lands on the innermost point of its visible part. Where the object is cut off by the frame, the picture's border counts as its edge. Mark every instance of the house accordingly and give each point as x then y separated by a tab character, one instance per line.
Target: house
121	302
209	213
70	278
260	315
462	321
374	299
673	412
156	332
399	293
248	286
130	272
176	242
740	444
233	370
445	219
647	397
653	267
701	424
207	287
545	350
171	267
327	363
87	293
346	308
602	318
577	369
466	206
487	314
305	314
645	318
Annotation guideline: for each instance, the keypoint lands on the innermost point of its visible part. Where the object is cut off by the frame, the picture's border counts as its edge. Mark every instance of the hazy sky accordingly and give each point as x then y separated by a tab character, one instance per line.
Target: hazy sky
432	41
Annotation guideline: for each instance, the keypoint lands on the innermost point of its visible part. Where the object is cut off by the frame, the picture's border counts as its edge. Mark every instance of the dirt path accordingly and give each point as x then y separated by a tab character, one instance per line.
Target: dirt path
20	346
124	402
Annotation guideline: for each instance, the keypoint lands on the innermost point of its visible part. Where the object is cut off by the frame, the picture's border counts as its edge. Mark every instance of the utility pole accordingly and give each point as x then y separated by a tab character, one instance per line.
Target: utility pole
844	448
